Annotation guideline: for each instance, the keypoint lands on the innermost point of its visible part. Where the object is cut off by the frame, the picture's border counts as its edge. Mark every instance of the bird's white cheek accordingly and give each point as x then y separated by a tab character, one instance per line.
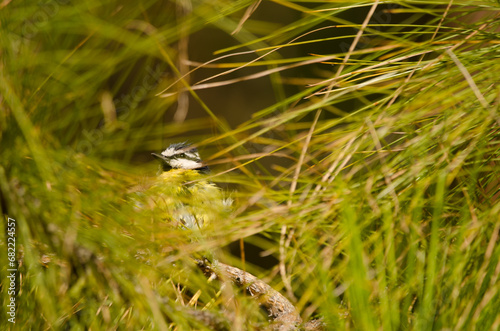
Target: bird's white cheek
185	164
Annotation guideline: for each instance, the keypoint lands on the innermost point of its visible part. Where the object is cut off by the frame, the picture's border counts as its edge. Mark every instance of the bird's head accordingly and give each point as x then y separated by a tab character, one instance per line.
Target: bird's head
180	156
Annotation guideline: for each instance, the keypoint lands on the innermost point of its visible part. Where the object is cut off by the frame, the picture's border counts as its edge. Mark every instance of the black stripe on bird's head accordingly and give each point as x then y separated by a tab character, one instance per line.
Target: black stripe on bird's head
180	156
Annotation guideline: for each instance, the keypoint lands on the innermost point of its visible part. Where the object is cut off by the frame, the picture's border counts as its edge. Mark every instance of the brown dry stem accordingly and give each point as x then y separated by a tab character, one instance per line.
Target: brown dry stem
282	313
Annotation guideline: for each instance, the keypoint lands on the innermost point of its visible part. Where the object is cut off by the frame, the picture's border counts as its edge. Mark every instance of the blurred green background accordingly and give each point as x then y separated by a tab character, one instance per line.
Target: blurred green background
359	141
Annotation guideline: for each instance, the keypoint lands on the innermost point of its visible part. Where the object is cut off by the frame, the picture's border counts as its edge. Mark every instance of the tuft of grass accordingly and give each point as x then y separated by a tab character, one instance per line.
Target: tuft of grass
367	191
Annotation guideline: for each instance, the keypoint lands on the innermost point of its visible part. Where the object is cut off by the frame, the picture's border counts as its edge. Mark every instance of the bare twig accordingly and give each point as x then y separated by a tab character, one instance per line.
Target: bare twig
281	311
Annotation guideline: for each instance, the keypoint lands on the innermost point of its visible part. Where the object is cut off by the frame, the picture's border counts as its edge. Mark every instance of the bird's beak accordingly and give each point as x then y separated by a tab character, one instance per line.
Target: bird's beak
160	157
164	161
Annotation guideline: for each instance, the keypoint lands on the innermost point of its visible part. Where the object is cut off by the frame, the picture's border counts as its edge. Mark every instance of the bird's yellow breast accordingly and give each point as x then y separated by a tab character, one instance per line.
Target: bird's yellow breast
185	197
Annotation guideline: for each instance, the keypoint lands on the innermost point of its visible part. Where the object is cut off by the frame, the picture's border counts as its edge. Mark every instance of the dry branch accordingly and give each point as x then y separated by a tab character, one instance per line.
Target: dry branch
282	312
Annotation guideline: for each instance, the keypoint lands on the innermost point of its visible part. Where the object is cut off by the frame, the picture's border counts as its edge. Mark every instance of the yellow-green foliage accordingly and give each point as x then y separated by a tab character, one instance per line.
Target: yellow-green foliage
360	141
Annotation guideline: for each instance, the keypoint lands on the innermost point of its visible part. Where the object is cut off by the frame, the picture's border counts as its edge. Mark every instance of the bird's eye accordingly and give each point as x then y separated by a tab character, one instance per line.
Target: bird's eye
181	155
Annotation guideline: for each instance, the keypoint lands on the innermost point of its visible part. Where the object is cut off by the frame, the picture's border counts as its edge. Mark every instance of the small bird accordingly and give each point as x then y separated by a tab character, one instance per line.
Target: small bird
181	192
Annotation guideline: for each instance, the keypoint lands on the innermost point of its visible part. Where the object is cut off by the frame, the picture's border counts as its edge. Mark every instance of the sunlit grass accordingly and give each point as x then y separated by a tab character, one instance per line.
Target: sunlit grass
371	182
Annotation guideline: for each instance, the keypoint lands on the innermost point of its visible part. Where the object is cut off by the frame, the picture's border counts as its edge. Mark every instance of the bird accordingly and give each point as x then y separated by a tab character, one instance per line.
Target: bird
182	194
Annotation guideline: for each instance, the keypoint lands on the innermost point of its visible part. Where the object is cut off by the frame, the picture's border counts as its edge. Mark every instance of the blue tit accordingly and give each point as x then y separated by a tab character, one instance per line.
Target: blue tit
182	194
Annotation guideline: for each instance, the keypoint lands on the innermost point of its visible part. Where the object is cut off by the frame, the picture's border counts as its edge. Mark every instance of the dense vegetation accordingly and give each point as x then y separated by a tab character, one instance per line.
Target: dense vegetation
359	140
